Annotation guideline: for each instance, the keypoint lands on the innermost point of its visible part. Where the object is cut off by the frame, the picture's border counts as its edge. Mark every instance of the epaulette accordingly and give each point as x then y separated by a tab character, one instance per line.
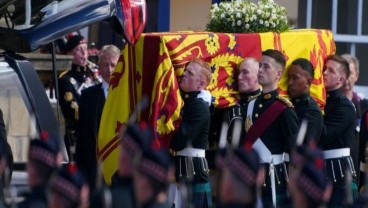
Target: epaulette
63	73
286	101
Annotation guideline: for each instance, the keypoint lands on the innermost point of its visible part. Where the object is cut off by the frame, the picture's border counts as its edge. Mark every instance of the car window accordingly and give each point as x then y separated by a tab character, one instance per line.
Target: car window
15	108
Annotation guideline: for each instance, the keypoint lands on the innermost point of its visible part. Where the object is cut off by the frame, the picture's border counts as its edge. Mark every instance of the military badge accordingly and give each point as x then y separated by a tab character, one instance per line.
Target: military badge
68	96
248	123
267	96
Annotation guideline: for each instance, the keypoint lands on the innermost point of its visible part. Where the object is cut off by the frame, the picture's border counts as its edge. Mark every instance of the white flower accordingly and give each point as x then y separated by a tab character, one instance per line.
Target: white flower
245	16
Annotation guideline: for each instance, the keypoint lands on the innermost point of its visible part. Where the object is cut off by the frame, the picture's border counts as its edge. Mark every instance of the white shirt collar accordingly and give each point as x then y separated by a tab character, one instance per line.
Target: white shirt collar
105	87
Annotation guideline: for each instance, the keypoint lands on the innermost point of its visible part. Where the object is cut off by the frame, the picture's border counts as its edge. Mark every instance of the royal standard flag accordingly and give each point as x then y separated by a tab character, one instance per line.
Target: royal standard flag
154	65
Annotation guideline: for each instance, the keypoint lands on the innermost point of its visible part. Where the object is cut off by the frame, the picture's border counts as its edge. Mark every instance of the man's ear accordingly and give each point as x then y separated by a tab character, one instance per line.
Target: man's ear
279	74
341	80
310	80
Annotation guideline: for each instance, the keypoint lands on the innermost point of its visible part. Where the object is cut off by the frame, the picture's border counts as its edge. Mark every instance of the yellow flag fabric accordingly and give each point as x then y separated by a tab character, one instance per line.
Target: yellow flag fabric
153	66
314	45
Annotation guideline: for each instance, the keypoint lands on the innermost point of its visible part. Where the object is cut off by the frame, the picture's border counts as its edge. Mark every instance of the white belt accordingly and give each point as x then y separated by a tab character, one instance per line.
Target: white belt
266	156
275	159
286	157
336	153
191	152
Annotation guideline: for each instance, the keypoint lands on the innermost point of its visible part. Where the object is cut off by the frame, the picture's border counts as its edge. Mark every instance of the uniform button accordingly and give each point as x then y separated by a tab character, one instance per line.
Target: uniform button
256	115
260	105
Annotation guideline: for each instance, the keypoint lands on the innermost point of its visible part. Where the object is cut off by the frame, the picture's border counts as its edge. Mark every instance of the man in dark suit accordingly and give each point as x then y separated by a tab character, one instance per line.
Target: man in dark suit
301	75
90	111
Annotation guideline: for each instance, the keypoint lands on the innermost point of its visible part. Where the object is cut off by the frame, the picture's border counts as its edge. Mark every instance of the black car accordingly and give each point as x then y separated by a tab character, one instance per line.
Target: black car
25	25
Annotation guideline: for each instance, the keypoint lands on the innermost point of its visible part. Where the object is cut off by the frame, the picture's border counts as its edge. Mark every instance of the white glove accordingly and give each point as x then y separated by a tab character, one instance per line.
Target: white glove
206	96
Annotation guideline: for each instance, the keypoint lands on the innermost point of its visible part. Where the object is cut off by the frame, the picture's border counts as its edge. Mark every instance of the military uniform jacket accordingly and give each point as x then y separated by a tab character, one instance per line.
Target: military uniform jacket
339	122
193	130
280	135
307	108
245	98
90	110
70	84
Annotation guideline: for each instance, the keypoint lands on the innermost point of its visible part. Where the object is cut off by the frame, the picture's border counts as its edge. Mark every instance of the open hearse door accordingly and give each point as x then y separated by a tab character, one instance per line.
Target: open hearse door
25	25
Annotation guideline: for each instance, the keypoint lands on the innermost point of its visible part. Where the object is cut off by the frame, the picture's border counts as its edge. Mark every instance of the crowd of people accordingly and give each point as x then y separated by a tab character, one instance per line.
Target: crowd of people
289	154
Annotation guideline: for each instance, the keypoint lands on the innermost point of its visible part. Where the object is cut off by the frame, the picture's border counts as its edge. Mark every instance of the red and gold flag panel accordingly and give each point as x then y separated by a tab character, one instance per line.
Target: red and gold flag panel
154	65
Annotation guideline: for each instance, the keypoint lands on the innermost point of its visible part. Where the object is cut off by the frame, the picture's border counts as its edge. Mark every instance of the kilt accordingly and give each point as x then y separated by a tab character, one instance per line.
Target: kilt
202	195
282	195
336	172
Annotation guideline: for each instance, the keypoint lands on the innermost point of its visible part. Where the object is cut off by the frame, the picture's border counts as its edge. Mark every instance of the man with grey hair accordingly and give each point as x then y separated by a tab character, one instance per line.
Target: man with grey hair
247	78
248	86
90	112
361	105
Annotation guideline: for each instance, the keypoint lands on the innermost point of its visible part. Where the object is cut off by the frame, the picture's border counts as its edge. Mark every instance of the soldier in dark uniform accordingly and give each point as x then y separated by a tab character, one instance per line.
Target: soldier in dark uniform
339	123
271	126
300	77
154	171
308	185
191	139
248	85
360	104
42	163
137	138
240	178
68	188
71	83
